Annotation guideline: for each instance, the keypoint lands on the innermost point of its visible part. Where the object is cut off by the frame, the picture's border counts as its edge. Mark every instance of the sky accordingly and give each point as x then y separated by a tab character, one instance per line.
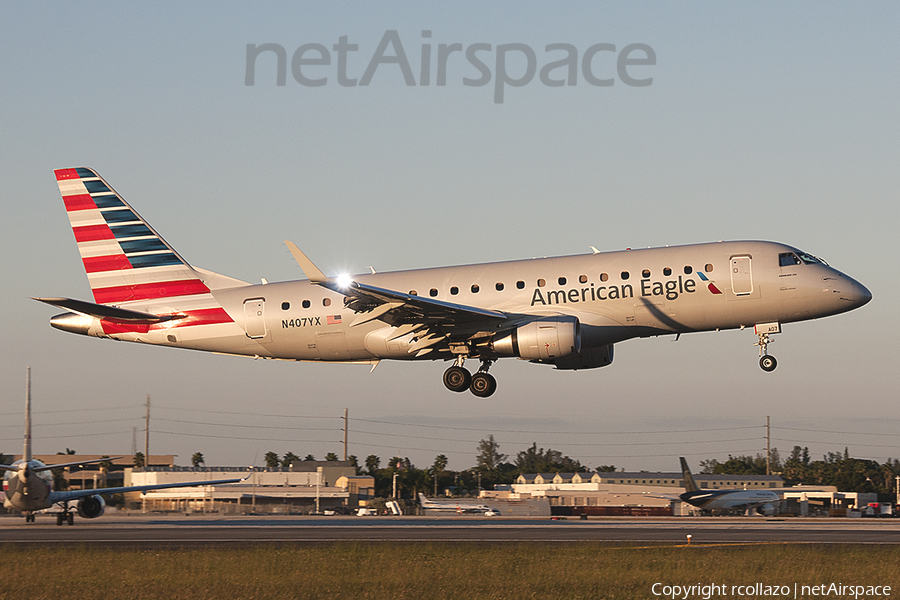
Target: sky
763	121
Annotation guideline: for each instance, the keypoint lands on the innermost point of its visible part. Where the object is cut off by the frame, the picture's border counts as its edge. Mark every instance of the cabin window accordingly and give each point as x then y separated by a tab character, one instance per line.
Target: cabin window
454	290
498	286
520	285
708	268
475	288
306	304
326	301
541	283
604	277
625	275
645	273
285	306
562	281
667	271
582	278
433	292
688	269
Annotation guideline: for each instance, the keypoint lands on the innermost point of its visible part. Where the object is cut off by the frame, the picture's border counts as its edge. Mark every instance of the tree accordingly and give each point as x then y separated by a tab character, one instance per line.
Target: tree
289	459
309	458
440	463
272	460
534	460
138	460
331	457
372	463
606	469
489	456
354	462
197	459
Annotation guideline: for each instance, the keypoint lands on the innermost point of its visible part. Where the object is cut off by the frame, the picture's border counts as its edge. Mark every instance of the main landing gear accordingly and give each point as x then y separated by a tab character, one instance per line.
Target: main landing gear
482	383
66	516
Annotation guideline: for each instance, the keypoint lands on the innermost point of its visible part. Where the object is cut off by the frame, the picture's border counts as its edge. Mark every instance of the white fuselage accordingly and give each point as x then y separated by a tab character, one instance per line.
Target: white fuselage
615	296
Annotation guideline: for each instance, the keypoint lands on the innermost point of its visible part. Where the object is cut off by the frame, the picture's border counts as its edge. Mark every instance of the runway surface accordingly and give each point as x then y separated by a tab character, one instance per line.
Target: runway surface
208	530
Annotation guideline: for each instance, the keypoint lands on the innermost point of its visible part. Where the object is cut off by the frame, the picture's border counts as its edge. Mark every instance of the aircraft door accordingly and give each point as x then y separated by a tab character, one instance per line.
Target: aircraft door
741	276
255	318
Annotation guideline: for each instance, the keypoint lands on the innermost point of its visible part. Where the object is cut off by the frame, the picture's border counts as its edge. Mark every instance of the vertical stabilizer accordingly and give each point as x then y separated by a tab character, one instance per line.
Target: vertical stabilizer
689	484
26	450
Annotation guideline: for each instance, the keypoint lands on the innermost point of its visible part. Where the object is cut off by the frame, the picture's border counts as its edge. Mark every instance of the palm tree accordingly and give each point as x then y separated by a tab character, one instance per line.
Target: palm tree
272	460
440	463
197	459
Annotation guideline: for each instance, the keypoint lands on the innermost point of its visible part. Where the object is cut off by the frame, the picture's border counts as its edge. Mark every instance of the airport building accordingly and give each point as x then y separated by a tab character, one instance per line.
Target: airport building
307	486
624	493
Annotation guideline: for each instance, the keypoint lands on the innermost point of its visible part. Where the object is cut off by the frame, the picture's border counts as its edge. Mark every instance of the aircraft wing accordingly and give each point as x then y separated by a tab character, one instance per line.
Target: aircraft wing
76	494
433	321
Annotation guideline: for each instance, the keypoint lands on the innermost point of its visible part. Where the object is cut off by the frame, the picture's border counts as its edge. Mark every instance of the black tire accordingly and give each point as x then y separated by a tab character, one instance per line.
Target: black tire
768	363
457	379
59	519
70	518
483	385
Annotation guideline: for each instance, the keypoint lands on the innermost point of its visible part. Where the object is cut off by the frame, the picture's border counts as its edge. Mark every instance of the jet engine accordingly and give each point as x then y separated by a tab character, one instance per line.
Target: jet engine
91	507
542	339
766	510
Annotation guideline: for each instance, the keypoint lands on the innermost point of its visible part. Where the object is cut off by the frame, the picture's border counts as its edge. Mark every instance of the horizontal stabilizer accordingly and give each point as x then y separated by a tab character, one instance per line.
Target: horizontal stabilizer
102	311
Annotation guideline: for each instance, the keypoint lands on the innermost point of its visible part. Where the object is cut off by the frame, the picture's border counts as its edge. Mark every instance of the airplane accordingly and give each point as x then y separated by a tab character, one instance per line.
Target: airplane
452	507
763	501
28	484
567	312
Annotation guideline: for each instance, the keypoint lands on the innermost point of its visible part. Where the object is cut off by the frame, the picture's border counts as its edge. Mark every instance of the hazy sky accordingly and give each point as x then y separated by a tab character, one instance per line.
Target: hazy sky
762	121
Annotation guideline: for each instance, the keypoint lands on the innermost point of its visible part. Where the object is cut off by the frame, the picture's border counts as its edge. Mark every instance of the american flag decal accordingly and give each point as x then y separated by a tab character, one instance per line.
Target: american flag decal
334	319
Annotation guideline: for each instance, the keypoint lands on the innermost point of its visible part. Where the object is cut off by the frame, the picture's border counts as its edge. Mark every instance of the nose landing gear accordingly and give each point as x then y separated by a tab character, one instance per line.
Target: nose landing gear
481	384
767	363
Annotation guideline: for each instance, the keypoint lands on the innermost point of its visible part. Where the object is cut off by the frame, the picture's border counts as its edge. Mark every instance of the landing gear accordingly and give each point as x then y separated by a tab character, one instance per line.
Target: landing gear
483	384
767	363
65	516
29	517
458	379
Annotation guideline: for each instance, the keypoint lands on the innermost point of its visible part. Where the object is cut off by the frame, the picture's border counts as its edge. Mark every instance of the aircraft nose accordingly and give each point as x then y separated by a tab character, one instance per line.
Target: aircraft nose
853	292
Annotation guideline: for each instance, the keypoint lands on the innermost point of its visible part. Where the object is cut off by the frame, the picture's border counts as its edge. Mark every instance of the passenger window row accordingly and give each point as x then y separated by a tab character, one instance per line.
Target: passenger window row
520	285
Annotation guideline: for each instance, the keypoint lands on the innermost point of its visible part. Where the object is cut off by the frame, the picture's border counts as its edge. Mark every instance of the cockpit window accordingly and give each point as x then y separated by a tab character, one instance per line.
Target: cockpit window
788	259
810	259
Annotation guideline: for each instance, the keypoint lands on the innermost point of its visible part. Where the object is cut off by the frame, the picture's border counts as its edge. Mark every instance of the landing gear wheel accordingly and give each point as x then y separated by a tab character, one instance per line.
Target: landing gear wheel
70	519
457	379
59	519
483	384
768	363
29	517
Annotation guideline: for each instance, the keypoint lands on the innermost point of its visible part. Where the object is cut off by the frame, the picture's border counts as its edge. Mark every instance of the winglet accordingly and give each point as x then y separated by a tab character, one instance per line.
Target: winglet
311	271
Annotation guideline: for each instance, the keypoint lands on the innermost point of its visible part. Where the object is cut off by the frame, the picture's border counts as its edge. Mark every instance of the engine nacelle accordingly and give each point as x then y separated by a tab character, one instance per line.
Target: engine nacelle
589	358
542	339
91	507
766	510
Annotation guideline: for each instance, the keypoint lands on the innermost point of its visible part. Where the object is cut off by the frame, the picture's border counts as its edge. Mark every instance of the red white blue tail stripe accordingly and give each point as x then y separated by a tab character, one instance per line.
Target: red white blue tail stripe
126	261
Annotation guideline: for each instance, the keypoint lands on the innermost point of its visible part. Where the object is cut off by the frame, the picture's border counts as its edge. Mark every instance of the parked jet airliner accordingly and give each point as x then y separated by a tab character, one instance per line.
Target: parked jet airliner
763	501
567	311
28	484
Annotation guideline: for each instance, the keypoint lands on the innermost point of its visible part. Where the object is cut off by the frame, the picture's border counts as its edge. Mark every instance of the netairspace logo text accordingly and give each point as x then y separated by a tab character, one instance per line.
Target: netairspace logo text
760	590
599	65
